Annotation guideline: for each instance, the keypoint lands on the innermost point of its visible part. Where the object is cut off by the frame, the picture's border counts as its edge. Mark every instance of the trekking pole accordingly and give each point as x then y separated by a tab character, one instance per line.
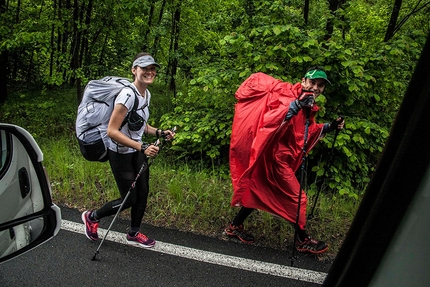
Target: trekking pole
144	167
302	170
330	162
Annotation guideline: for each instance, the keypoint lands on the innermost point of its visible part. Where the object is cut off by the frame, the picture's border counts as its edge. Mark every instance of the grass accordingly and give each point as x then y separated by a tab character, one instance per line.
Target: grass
182	195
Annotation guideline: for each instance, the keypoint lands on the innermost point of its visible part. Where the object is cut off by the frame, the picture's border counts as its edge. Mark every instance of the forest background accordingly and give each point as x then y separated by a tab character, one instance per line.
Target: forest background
50	49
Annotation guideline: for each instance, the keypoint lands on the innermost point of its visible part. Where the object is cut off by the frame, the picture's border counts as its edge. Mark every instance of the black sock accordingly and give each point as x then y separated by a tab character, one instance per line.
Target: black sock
243	213
93	216
133	231
301	234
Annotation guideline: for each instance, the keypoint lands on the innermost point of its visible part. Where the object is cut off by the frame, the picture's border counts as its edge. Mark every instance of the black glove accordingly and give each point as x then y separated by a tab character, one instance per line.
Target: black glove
297	105
306	102
334	124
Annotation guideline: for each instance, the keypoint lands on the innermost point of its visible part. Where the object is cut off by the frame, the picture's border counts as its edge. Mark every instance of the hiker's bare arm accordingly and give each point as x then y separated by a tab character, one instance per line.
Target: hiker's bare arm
113	130
150	130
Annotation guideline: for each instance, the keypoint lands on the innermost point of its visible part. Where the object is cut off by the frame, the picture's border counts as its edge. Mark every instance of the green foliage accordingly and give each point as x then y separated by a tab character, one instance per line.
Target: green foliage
40	113
204	115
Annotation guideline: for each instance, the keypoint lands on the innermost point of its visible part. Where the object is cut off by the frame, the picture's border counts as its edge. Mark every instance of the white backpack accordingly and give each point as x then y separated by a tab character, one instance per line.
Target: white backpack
94	113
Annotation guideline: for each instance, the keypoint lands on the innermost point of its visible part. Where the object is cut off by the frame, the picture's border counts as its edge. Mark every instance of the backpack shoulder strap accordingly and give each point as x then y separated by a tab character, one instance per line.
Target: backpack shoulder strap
136	102
135	106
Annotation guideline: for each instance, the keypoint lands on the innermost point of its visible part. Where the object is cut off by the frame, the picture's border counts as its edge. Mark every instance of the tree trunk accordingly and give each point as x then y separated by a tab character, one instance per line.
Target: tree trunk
51	56
334	5
175	41
76	43
157	37
145	44
105	42
393	20
3	63
394	25
59	35
306	11
85	60
3	76
65	37
14	55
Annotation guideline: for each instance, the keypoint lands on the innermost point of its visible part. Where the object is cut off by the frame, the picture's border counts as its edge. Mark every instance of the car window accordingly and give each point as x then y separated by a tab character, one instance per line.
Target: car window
4	152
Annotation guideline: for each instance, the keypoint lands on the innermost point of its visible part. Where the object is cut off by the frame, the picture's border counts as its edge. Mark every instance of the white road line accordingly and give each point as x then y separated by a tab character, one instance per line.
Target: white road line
212	257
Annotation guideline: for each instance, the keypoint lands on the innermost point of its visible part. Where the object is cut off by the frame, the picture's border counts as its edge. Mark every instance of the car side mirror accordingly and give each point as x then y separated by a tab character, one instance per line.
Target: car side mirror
28	216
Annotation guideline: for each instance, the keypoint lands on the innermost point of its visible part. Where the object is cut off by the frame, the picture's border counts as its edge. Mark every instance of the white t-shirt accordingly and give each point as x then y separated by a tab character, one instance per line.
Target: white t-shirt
126	97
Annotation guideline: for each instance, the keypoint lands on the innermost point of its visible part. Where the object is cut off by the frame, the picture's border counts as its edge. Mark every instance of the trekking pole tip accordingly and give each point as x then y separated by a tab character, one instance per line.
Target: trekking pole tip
95	255
293	258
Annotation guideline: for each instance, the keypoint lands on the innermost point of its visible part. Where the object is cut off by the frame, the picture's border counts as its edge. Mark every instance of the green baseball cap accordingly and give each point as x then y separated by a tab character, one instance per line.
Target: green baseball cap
317	74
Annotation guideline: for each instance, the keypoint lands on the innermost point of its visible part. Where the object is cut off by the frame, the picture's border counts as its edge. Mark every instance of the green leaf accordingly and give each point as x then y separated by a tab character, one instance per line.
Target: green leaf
277	30
367	130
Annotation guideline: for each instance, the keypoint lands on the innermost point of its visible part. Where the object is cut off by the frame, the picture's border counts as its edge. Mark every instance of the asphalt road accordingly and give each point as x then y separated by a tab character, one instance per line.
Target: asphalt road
179	259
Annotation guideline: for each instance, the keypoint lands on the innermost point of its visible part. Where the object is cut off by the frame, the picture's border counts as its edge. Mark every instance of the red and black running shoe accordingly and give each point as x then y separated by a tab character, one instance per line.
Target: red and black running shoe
239	232
310	245
140	240
91	226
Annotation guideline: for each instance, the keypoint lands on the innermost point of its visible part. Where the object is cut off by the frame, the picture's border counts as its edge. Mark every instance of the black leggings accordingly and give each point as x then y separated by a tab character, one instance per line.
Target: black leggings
243	213
125	168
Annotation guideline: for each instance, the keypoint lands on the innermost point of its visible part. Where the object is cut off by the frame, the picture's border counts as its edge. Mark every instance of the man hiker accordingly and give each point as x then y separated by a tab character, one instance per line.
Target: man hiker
272	121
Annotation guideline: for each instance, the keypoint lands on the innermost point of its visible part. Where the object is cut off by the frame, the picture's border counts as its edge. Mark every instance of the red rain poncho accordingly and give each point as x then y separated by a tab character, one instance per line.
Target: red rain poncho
266	152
